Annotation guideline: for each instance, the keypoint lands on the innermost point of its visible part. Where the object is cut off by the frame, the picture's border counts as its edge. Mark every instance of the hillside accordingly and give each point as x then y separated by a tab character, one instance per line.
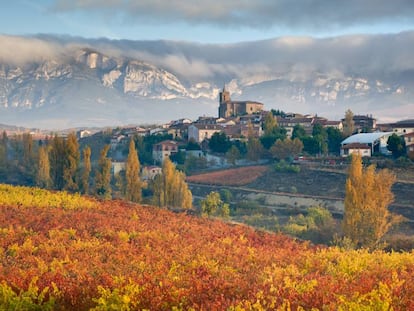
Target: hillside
311	181
113	254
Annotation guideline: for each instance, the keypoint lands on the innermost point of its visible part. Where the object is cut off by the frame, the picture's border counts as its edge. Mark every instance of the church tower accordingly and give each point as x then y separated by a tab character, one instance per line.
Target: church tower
224	95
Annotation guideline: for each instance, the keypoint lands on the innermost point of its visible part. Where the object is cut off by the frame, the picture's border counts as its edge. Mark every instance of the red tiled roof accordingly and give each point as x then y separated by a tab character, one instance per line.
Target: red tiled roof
356	146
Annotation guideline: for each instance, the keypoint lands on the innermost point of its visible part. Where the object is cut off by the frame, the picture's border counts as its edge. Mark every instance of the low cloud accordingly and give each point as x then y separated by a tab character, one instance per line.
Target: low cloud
292	14
357	54
20	50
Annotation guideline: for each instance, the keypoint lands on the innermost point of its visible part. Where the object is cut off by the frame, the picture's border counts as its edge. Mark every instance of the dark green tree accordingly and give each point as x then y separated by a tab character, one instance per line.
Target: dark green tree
334	140
311	145
396	144
320	134
3	155
278	112
219	142
298	132
319	130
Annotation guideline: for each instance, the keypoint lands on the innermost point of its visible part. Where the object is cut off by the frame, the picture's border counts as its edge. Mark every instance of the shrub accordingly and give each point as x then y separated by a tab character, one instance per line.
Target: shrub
283	166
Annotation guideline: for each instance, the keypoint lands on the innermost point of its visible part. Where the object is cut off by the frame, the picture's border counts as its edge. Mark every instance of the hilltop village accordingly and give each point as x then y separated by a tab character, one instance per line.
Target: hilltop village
210	138
245	133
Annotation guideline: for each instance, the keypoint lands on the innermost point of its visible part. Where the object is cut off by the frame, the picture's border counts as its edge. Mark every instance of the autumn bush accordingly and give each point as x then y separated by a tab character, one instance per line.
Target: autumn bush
37	197
122	256
230	177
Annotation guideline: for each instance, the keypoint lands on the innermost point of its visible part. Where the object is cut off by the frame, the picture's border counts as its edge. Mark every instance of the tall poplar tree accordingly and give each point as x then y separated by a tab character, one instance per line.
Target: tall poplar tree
3	153
57	160
133	191
43	179
28	151
103	175
349	124
71	163
86	171
367	197
170	188
269	124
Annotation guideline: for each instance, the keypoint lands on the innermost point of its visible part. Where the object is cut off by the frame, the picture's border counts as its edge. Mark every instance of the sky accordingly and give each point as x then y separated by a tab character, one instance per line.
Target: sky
211	21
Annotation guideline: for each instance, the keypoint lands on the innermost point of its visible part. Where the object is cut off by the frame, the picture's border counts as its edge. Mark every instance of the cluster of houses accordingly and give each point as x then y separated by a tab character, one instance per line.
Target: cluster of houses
238	119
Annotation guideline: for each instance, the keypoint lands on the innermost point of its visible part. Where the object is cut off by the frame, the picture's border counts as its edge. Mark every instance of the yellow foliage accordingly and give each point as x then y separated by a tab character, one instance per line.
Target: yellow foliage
36	197
367	197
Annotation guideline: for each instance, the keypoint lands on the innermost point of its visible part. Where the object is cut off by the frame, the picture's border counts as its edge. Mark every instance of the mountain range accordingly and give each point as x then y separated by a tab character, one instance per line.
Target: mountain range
60	82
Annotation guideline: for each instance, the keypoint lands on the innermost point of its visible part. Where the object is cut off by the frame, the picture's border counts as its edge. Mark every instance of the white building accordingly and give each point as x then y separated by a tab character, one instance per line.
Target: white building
163	150
358	143
199	132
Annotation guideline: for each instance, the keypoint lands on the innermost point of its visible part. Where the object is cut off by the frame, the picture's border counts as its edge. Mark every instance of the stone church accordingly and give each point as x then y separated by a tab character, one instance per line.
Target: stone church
230	108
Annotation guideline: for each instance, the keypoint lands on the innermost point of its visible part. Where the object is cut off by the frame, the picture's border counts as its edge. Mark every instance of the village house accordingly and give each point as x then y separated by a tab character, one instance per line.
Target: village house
118	140
163	150
251	118
206	120
240	130
356	148
326	123
358	143
135	131
199	132
409	142
178	131
403	127
83	133
290	123
158	131
363	123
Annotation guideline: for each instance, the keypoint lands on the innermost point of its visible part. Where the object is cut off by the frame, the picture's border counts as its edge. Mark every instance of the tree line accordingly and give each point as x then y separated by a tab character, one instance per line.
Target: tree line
59	163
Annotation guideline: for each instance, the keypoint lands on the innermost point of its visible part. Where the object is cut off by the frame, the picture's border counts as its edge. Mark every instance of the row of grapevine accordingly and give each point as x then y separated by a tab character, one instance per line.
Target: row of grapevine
122	256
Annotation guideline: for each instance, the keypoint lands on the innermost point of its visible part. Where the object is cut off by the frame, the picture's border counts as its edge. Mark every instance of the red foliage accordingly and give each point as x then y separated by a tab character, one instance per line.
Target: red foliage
230	177
178	260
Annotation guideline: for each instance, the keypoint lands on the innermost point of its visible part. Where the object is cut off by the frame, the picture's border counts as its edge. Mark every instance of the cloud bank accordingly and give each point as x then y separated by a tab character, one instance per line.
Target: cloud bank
292	14
355	54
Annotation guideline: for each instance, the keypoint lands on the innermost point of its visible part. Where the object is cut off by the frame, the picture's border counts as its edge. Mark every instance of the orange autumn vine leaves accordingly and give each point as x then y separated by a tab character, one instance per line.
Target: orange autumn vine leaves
117	254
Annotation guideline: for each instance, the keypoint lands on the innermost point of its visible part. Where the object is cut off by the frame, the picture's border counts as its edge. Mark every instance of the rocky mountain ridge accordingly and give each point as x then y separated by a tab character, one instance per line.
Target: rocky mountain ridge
91	88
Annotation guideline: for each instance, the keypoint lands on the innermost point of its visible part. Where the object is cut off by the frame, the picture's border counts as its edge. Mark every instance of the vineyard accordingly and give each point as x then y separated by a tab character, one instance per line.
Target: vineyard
121	256
230	177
